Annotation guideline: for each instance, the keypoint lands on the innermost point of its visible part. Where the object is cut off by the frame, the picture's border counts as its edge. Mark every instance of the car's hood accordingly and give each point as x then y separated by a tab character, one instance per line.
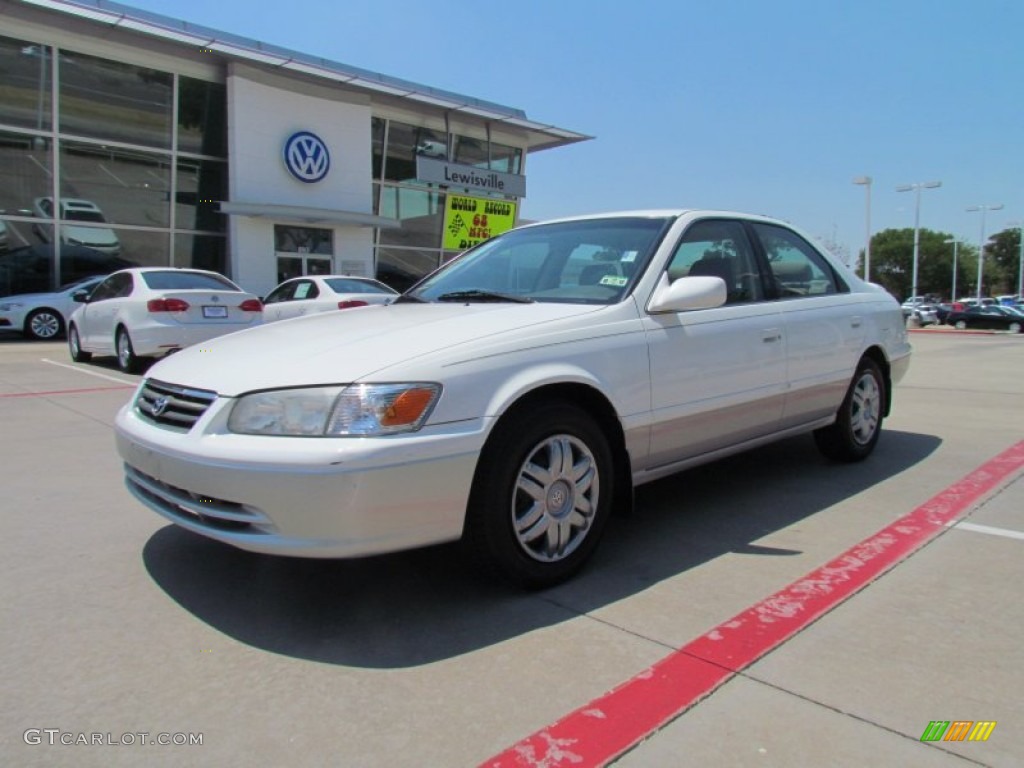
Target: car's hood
31	298
356	344
89	235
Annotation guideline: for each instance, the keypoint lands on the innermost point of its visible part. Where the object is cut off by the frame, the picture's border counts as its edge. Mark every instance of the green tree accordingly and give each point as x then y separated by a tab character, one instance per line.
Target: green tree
1002	262
892	262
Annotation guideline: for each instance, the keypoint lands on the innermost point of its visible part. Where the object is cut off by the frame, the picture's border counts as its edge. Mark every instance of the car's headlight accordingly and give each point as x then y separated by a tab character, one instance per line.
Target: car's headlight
361	410
10	306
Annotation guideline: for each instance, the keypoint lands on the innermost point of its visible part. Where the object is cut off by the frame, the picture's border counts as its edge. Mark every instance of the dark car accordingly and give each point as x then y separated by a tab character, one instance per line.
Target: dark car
987	318
30	269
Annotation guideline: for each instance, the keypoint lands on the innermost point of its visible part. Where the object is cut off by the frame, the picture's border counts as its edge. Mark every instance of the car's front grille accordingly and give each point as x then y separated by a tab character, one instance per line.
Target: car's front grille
172	406
187	506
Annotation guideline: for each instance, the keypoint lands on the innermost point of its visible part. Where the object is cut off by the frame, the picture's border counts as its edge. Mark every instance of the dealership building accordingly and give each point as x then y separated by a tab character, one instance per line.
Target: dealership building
128	137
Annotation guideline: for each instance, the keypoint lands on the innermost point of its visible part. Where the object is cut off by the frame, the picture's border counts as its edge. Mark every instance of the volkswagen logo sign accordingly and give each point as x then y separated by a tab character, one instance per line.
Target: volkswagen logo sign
306	157
159	406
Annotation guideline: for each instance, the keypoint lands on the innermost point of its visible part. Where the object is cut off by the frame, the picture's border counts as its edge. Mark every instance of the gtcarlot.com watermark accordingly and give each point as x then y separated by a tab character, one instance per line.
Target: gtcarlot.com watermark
58	737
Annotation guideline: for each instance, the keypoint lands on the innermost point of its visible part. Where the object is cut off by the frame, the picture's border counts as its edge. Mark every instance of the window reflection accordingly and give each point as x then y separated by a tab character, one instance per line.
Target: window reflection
201	185
201	252
202	118
110	100
131	186
26	173
26	78
420	212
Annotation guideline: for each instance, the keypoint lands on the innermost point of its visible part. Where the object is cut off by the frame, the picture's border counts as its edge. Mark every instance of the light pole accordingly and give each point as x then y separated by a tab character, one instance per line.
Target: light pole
952	291
866	182
1020	260
917	224
981	242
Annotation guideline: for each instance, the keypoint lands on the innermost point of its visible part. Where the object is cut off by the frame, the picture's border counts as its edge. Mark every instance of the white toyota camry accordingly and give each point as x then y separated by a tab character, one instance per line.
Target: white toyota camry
513	398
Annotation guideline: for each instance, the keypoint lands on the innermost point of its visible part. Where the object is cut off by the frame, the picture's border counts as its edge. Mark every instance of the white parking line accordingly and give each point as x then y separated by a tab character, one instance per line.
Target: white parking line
113	175
991	531
90	373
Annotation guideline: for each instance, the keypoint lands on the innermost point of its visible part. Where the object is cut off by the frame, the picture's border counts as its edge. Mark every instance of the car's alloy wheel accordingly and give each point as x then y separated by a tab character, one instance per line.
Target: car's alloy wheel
126	359
542	494
858	423
961	324
1015	327
43	325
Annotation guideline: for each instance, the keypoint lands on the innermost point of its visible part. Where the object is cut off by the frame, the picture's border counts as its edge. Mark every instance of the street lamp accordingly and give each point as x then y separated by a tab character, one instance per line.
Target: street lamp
981	242
866	182
1020	260
917	224
952	291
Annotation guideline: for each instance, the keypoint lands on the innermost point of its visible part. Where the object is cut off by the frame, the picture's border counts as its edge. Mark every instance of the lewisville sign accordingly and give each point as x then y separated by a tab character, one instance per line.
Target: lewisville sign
469	177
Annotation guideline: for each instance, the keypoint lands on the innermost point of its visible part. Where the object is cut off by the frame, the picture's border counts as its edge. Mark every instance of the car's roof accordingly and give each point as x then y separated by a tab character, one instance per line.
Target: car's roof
664	213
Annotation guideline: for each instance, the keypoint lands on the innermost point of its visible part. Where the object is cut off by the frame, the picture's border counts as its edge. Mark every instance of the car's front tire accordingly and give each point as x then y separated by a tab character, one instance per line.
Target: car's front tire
858	424
542	495
1015	327
44	325
75	347
127	360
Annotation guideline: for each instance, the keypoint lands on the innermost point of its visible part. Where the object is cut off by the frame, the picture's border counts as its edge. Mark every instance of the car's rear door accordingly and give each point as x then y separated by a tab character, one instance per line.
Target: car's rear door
823	321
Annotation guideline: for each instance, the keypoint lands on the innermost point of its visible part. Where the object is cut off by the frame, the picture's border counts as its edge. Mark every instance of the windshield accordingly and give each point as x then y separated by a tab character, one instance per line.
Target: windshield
594	261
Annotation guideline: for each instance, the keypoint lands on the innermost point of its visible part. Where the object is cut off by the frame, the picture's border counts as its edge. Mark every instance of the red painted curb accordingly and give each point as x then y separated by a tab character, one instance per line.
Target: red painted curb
608	726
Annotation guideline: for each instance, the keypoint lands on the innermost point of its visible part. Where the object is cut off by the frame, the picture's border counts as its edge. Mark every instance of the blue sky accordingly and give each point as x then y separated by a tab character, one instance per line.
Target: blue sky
769	107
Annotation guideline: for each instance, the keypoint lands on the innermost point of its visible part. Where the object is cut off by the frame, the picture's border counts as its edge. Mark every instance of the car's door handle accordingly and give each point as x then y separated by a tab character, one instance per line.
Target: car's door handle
855	322
771	334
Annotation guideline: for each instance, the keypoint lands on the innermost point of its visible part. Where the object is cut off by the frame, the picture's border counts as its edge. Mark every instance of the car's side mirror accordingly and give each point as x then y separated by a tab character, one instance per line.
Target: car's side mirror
80	296
688	293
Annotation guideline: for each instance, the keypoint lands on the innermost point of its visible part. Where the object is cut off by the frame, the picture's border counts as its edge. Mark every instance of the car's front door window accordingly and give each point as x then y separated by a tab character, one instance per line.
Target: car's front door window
719	248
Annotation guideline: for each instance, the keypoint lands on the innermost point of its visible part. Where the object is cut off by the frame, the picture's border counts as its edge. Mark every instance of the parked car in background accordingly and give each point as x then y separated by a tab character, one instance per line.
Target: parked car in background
31	268
153	311
43	316
76	210
324	293
514	397
926	314
943	309
987	317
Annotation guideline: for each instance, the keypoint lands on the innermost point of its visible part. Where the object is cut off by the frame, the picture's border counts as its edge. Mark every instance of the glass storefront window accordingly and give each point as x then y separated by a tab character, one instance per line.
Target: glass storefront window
202	117
201	185
303	240
26	173
201	252
130	186
105	99
26	81
405	142
377	143
402	267
421	213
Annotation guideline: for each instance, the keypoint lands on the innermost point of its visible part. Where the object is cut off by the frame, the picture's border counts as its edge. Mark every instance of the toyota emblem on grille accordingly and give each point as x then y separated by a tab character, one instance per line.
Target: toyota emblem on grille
159	406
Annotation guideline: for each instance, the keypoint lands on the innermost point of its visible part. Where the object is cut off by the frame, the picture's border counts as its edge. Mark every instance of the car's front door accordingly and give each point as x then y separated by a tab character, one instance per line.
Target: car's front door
717	375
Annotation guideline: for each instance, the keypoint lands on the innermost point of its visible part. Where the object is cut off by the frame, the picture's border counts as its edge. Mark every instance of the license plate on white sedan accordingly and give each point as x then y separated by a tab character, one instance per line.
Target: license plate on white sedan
215	311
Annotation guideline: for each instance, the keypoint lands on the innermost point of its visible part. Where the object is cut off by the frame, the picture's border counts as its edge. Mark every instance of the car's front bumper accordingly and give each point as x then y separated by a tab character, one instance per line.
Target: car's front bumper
308	497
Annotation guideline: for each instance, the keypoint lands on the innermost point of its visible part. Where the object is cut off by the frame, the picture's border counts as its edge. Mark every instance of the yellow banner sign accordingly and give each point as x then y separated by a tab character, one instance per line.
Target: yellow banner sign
471	220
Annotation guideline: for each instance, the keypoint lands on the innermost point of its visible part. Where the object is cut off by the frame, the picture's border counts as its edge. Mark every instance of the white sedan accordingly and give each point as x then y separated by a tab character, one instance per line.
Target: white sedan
43	316
324	293
147	312
515	397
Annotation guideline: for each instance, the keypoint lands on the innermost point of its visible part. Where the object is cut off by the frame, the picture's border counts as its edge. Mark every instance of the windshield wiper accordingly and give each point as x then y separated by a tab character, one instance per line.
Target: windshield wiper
478	295
408	297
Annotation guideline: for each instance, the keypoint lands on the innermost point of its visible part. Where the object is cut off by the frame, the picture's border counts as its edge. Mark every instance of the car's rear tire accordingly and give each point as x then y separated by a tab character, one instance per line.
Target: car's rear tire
44	325
127	360
75	347
1015	327
542	495
858	424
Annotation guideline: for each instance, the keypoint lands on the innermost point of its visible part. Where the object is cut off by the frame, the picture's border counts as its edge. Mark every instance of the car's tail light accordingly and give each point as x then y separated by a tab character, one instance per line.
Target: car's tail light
251	305
167	305
351	304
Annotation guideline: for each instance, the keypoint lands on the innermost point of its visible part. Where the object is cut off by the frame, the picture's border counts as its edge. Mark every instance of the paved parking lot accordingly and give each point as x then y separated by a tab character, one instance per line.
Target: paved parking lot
116	624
